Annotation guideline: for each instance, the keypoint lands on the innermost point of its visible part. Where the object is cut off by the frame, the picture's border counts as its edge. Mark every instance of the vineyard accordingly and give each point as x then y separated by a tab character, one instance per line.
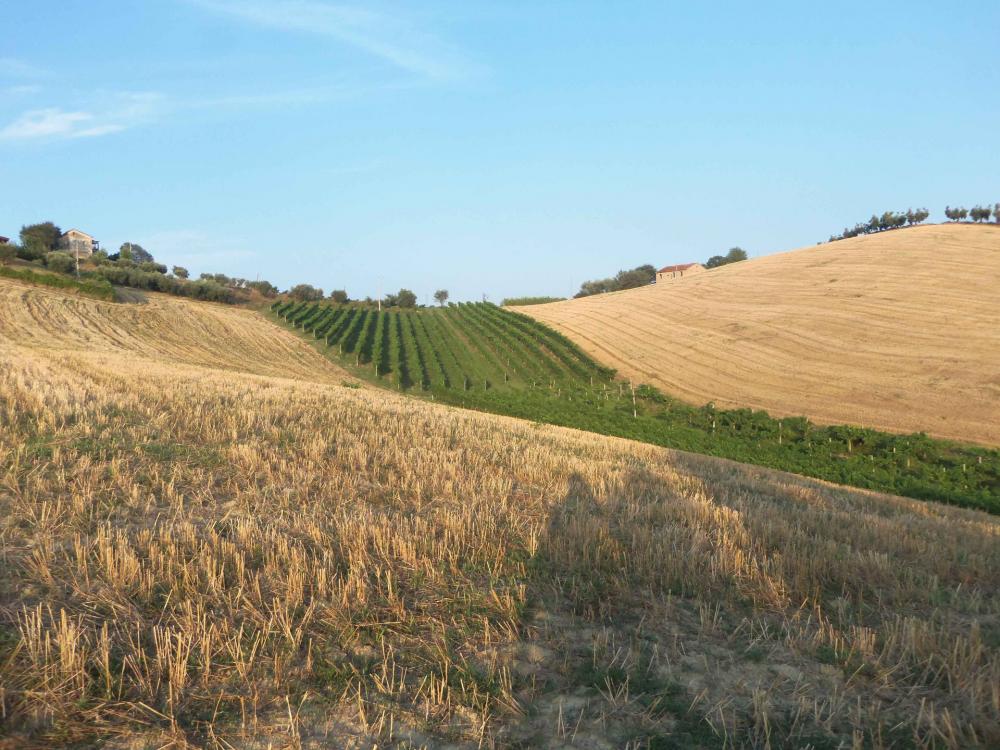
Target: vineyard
487	358
464	347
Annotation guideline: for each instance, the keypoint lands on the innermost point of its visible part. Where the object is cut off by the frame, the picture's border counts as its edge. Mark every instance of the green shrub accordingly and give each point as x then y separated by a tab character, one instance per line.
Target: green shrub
60	262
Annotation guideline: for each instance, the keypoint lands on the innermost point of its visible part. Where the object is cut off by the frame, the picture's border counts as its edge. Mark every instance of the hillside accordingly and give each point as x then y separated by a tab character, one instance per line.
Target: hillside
162	329
899	330
480	356
198	556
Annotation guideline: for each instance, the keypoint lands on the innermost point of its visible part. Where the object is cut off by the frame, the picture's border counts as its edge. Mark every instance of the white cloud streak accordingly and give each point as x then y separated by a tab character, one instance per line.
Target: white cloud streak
387	37
114	114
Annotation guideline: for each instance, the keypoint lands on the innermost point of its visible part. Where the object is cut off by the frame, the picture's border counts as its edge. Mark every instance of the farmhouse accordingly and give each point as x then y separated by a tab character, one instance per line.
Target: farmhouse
675	272
4	240
78	244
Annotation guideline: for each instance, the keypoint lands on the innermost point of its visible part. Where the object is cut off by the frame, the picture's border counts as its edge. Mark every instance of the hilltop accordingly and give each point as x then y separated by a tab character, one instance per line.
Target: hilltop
211	544
899	330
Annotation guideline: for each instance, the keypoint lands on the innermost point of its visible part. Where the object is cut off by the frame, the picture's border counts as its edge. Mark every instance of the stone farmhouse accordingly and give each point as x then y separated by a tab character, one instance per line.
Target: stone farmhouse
78	244
676	272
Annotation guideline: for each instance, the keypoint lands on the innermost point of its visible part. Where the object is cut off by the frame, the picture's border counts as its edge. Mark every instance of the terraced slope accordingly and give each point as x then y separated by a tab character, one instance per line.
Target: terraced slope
899	331
201	557
167	329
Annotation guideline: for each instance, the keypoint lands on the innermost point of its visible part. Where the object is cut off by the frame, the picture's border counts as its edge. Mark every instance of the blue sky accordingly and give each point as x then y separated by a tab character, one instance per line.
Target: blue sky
494	148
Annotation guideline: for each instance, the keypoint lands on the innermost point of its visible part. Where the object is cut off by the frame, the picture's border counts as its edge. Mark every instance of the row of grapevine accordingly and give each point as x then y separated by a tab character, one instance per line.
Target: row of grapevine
552	341
531	359
510	358
465	346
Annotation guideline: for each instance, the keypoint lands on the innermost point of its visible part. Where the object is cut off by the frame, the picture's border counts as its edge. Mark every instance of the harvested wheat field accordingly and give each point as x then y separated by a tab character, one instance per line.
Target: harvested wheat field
198	557
164	328
899	331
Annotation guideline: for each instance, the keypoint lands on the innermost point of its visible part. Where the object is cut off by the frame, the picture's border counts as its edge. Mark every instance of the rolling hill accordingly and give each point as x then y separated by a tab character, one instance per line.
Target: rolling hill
162	328
206	543
899	331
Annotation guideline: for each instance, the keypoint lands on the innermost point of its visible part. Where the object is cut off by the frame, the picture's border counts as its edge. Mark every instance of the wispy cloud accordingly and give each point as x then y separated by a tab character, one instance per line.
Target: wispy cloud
13	68
389	37
113	114
21	90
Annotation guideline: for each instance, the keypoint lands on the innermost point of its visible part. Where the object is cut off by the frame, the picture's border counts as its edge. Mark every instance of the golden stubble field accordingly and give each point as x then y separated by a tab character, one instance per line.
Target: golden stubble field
899	331
199	557
164	329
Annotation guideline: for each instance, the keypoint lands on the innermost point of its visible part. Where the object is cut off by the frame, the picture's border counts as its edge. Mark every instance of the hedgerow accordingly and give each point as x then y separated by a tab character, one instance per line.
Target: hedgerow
92	286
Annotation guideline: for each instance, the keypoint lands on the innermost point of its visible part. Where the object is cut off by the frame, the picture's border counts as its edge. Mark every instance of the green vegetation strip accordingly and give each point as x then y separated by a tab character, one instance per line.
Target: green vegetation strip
483	357
92	287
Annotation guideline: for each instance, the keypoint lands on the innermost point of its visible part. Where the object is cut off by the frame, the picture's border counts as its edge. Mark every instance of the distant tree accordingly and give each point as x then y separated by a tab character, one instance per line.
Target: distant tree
735	255
339	296
441	296
996	213
980	213
151	266
955	214
99	257
38	239
636	277
135	252
406	298
60	262
624	279
7	253
390	300
304	293
181	272
265	288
